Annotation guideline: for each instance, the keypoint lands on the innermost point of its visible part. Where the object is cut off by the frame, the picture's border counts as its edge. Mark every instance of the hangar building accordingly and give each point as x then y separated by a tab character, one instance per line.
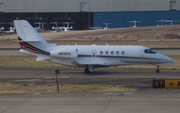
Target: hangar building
91	13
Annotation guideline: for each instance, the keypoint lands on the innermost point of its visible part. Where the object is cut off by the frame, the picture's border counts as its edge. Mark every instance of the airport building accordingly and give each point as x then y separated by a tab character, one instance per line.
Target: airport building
92	13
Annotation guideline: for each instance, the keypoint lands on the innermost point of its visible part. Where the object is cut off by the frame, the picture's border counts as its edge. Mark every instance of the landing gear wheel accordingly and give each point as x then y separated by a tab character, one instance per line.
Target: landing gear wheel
157	70
86	70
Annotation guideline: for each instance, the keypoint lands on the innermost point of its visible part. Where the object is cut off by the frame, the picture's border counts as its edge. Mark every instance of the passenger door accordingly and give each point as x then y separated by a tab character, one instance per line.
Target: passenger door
93	54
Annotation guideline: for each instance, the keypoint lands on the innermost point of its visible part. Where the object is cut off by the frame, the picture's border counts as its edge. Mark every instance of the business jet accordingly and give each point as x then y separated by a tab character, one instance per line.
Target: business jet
86	56
67	28
1	27
162	21
40	28
171	21
135	23
107	25
56	28
11	28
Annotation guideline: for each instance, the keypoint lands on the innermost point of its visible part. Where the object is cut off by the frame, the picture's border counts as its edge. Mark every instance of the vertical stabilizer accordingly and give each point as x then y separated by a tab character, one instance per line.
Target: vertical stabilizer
26	33
29	38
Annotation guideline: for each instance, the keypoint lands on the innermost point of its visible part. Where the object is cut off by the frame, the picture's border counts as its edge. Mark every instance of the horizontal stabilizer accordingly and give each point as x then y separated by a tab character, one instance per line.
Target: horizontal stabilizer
26	41
30	41
42	58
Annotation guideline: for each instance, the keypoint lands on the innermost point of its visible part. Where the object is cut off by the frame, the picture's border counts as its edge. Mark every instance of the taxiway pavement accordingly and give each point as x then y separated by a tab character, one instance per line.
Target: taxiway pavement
144	100
151	101
138	78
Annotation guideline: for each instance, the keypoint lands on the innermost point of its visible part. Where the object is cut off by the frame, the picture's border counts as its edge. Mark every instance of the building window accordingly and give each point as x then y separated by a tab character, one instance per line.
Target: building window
1	7
172	5
83	7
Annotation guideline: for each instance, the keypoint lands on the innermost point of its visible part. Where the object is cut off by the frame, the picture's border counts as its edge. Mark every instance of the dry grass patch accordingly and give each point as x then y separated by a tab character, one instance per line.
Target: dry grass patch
23	61
93	88
11	88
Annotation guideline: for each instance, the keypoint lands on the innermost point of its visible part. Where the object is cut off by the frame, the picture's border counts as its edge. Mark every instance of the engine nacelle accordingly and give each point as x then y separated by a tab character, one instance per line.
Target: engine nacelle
64	53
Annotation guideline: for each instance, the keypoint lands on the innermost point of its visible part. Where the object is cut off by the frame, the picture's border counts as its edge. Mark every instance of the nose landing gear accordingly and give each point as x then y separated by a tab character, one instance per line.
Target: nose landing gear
157	69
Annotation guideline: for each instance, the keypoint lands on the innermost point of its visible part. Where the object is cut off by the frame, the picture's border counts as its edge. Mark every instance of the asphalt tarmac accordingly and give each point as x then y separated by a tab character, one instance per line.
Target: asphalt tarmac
154	101
138	78
144	100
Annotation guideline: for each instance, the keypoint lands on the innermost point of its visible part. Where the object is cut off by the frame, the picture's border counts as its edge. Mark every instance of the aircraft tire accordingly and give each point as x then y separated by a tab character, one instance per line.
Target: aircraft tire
157	70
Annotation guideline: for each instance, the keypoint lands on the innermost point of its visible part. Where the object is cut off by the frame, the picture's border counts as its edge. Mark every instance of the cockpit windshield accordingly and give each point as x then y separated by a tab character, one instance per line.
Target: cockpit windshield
149	51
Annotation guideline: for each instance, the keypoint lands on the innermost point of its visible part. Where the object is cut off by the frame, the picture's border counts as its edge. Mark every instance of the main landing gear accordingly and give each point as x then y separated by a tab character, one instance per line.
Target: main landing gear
157	69
87	70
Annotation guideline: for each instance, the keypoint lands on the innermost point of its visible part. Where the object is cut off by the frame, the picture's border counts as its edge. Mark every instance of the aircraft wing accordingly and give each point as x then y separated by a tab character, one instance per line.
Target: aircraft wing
95	63
84	63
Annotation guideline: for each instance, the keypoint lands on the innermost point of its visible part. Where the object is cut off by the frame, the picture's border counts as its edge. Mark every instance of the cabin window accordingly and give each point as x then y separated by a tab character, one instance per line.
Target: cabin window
106	52
112	52
122	52
117	52
149	51
101	52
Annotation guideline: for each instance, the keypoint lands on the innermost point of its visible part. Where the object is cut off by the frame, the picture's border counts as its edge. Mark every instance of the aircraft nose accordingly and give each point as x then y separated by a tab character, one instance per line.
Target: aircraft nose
169	59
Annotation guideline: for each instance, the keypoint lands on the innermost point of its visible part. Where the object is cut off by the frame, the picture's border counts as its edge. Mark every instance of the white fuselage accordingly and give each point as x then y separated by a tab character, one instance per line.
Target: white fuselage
104	56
